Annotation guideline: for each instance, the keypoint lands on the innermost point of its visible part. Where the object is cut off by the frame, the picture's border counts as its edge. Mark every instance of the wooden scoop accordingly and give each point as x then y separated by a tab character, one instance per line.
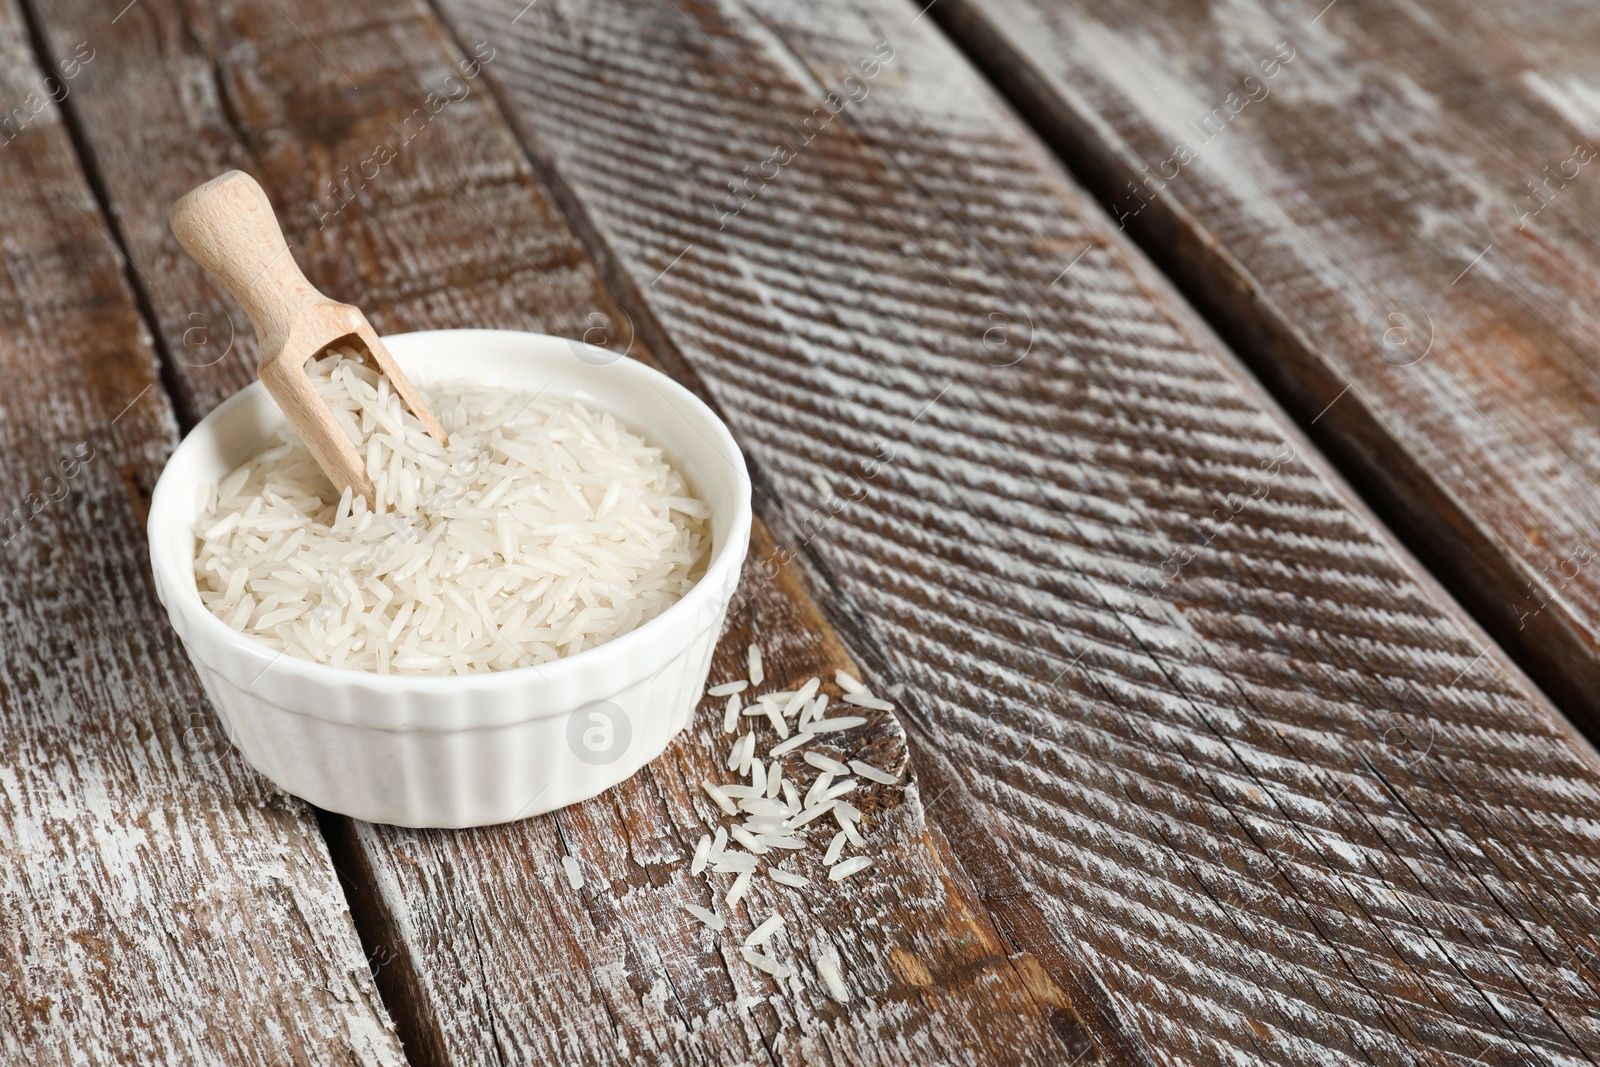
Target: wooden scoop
228	226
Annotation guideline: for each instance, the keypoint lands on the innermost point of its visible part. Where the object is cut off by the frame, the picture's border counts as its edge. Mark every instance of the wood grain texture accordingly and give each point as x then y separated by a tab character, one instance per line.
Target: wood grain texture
377	153
498	948
1213	747
1432	161
482	951
159	903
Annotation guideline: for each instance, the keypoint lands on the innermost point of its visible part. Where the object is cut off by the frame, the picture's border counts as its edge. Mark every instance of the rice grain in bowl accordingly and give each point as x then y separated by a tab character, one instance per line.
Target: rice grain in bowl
477	748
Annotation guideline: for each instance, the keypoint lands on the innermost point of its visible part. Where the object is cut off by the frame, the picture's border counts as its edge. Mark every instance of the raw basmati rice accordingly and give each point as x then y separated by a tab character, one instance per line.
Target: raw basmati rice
803	694
778	725
826	763
854	865
720	798
542	528
765	964
748	840
574	872
728	688
766	825
832	980
811	813
835	847
780	841
790	745
847	683
838	789
702	852
818	787
873	774
843	722
710	918
737	890
734	863
765	806
763	933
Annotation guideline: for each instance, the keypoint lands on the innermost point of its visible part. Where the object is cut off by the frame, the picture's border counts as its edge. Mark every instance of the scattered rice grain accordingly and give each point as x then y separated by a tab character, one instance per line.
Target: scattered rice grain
873	774
818	787
734	863
825	726
765	964
854	865
786	747
761	934
838	789
740	885
781	841
835	847
765	806
748	840
702	852
801	695
574	873
811	813
719	797
832	980
826	763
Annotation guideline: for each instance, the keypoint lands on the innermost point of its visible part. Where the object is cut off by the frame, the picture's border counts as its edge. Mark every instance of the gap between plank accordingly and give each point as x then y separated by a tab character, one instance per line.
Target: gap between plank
1117	1043
1252	331
338	859
91	176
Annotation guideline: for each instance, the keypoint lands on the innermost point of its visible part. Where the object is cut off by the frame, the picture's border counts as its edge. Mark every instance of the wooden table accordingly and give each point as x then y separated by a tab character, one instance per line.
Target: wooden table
1203	765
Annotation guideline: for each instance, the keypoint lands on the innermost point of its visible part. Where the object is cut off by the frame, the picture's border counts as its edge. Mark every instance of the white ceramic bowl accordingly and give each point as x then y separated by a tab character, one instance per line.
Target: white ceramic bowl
484	748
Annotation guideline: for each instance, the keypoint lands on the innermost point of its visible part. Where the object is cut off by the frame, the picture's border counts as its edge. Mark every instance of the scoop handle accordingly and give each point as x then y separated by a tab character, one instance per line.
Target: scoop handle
228	226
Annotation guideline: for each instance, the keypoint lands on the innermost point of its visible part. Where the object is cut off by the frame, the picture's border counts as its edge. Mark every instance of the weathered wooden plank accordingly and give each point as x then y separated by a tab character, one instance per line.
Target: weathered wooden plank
1212	744
484	952
641	980
1409	175
159	903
